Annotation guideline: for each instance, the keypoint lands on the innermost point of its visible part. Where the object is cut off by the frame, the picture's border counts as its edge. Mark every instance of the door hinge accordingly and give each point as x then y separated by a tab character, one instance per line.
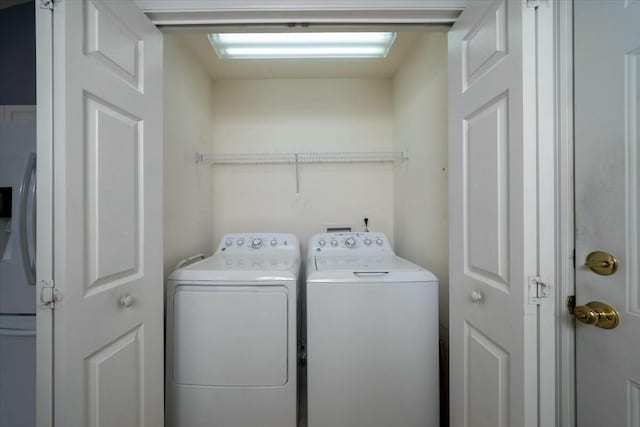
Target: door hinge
571	304
48	4
49	294
534	4
539	291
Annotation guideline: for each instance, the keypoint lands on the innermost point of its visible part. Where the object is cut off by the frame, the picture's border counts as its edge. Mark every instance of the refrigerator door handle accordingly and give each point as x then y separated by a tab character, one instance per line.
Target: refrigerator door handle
17	332
28	263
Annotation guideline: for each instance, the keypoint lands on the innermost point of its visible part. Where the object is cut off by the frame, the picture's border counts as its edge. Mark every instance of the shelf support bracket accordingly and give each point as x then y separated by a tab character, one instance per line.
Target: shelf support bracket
296	157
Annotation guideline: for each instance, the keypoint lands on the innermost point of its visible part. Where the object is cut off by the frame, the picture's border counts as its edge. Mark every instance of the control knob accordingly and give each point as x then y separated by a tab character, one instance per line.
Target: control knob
256	243
322	242
274	242
240	242
379	241
367	241
228	242
334	242
350	242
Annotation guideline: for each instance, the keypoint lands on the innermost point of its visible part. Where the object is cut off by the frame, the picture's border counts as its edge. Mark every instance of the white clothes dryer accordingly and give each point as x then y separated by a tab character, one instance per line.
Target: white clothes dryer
372	335
231	335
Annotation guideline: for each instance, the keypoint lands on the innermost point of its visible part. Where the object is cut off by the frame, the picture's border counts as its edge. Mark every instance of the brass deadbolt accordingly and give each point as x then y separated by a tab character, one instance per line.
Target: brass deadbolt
602	263
599	314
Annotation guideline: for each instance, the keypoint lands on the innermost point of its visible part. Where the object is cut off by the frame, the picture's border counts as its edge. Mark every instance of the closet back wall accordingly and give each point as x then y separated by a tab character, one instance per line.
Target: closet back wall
188	205
301	115
421	205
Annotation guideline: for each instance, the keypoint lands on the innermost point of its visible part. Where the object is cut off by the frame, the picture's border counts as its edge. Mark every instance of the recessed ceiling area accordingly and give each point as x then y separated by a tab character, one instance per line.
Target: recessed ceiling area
224	69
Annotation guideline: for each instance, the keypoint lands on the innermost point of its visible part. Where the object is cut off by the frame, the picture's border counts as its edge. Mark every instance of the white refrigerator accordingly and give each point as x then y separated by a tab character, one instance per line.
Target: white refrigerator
17	273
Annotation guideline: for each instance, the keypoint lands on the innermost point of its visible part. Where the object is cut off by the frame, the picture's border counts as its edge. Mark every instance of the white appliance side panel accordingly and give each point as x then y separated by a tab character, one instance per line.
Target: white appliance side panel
17	371
231	338
372	354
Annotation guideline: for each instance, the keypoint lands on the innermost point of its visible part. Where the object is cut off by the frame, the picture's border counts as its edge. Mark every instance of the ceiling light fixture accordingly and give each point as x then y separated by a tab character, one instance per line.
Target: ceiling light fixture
302	45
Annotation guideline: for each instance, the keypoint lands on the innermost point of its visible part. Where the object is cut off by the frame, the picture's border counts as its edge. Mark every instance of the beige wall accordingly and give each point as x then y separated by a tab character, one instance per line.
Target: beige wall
188	206
294	115
421	184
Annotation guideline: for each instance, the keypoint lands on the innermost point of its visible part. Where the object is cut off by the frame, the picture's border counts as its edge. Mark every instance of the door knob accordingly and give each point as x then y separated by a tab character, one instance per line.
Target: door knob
599	314
476	296
602	263
126	301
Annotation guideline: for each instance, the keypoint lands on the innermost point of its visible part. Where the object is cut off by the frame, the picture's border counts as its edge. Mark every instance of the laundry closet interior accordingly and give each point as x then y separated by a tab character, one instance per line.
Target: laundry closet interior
307	146
258	110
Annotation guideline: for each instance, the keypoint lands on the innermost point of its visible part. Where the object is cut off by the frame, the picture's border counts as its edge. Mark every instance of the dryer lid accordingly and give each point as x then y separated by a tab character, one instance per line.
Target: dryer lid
240	268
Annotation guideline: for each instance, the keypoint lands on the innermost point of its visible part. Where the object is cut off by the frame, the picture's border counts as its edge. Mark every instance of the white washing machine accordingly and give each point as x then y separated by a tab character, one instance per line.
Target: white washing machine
231	335
372	335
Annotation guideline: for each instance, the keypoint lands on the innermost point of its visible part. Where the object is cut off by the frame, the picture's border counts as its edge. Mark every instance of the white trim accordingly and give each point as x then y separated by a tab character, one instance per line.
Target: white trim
217	12
532	257
565	325
44	217
273	28
547	205
295	5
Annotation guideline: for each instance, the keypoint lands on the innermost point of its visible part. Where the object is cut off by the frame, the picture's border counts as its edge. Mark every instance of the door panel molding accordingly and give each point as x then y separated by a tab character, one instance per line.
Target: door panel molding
115	370
632	119
488	393
485	188
633	397
106	38
113	195
491	43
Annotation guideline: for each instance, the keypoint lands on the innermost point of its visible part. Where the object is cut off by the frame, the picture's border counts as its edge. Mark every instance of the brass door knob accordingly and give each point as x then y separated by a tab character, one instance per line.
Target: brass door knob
586	314
599	314
602	263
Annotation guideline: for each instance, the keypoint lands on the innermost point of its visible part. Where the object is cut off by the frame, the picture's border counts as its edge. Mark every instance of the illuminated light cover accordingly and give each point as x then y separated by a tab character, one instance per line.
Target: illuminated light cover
302	45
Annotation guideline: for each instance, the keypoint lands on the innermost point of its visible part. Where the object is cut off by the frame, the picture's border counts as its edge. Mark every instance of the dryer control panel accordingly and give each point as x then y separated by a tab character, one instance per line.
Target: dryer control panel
352	243
263	243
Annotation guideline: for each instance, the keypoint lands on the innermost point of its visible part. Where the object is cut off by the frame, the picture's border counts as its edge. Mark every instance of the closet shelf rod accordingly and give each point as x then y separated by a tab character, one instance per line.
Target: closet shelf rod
302	157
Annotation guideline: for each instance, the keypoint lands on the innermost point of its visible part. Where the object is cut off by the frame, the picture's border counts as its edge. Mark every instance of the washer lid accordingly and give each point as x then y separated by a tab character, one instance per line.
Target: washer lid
240	268
366	268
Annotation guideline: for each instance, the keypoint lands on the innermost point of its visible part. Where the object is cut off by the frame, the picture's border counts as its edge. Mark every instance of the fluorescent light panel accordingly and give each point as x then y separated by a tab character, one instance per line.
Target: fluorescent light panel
302	45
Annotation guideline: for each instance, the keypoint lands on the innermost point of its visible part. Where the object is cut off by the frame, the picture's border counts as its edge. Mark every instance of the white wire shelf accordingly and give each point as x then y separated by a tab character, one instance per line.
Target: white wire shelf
300	158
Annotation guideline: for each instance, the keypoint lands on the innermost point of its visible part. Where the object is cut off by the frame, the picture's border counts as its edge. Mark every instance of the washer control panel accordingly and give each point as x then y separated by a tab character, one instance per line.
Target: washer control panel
257	263
245	243
350	243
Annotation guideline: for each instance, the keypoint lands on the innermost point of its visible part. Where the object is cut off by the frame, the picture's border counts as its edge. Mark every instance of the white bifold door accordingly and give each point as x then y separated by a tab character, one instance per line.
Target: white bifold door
107	196
493	205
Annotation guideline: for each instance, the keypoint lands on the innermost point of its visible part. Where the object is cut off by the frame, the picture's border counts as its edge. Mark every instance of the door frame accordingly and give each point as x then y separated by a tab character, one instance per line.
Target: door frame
177	13
44	214
555	132
565	241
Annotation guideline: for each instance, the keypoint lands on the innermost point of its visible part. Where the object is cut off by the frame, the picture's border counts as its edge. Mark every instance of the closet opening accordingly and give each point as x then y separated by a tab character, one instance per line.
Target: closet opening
307	145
